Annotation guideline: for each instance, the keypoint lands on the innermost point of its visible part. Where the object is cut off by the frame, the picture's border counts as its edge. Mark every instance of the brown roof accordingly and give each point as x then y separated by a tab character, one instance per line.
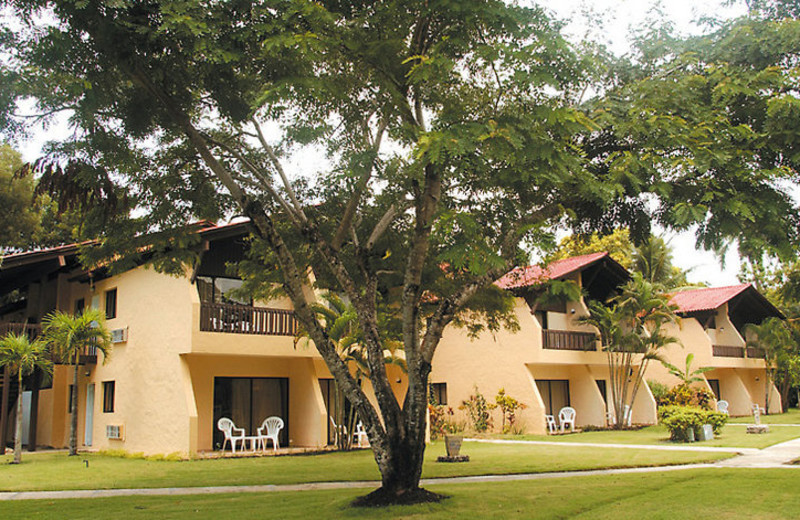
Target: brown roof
706	299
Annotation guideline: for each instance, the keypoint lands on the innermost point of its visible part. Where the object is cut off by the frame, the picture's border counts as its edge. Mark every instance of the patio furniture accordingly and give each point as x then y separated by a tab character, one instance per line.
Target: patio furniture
567	416
552	426
232	433
269	430
722	406
360	434
338	429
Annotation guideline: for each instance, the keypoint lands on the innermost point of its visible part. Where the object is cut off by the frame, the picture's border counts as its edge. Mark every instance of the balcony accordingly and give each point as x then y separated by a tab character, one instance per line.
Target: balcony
728	351
246	319
755	353
569	340
33	330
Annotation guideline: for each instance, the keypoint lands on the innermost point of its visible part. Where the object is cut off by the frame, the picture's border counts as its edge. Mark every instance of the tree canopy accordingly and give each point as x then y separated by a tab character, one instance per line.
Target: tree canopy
403	150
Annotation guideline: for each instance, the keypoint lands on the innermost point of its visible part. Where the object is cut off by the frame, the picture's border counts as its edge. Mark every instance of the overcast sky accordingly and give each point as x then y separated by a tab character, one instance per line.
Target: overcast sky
611	21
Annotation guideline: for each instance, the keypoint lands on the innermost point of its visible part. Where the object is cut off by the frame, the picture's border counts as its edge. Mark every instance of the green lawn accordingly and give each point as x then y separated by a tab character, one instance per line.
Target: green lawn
790	417
733	435
51	471
712	493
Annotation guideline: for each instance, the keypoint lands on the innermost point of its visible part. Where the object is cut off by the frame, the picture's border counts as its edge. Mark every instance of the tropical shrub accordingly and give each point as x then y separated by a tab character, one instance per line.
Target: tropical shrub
659	391
685	395
442	422
477	410
508	410
680	420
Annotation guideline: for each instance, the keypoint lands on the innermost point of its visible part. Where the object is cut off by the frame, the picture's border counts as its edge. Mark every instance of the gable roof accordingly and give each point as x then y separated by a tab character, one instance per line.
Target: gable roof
535	275
706	299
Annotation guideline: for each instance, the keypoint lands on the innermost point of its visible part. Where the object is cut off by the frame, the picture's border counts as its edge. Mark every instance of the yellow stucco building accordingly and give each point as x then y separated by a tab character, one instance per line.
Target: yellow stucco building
188	351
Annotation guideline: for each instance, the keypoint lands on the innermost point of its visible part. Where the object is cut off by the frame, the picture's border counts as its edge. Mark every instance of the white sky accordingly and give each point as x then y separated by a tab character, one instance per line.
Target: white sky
607	20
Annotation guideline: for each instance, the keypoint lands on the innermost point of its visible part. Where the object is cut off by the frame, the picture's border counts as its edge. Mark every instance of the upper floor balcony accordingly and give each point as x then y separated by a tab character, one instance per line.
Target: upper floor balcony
569	340
247	319
734	351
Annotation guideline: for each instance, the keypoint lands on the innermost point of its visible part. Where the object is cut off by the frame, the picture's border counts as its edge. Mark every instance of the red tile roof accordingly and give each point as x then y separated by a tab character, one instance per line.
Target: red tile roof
535	275
706	299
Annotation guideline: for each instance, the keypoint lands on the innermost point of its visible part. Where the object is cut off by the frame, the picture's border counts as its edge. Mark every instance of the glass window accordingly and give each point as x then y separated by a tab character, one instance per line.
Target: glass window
108	396
438	393
213	289
80	304
111	304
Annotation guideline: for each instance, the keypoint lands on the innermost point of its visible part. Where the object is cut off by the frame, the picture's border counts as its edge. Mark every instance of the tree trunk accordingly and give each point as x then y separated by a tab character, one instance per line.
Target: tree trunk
400	464
18	431
73	417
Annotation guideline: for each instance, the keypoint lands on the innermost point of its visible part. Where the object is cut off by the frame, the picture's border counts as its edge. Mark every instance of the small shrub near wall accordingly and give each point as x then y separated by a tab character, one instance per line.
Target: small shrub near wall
681	420
443	421
477	410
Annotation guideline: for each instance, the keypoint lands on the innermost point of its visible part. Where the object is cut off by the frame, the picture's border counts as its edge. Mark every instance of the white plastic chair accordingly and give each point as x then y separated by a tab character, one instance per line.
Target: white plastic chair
567	416
722	406
337	430
273	426
552	426
360	434
232	433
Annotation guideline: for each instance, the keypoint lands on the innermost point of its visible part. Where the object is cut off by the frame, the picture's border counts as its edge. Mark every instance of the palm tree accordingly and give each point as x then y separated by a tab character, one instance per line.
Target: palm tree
632	325
69	337
341	325
687	375
774	338
22	357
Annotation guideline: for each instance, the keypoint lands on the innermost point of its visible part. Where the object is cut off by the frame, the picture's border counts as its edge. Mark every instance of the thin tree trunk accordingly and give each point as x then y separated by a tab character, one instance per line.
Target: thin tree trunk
73	423
18	434
767	384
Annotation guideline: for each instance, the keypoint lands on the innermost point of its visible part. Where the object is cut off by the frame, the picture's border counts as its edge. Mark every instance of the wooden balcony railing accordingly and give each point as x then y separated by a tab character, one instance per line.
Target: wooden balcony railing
245	319
755	353
569	340
33	330
728	351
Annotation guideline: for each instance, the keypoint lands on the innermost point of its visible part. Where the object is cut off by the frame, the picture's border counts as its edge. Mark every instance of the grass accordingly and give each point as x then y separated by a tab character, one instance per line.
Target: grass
733	435
712	493
56	471
790	417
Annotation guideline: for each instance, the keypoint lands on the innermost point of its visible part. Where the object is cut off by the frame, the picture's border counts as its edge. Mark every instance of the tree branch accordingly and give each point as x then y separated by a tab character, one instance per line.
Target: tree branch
277	164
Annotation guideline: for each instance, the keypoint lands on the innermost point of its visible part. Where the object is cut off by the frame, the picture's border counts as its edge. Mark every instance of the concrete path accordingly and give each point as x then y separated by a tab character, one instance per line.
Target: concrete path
772	457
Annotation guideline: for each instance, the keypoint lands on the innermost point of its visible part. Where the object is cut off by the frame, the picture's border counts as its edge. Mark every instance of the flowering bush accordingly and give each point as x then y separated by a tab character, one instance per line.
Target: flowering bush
685	395
442	422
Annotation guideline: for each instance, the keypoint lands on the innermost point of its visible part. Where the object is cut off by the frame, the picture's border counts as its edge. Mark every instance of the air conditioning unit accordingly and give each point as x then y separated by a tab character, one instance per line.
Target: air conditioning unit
119	335
115	431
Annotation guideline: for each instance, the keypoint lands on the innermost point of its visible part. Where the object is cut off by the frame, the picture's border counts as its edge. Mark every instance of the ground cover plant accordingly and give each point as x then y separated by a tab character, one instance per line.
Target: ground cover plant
761	493
48	471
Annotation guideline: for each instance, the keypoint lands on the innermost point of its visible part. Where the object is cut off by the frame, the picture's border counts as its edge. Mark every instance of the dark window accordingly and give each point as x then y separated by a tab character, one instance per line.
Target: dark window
111	304
714	384
541	316
80	304
69	398
555	394
108	396
438	393
601	385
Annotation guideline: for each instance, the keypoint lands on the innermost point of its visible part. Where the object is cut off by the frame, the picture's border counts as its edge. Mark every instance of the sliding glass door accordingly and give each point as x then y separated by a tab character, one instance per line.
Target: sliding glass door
247	401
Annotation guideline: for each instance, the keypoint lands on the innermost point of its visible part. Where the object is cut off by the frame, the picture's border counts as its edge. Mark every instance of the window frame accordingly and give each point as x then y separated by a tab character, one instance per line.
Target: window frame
111	294
109	396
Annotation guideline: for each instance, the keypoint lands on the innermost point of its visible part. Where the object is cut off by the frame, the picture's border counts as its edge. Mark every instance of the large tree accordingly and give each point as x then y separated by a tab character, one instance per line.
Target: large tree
453	133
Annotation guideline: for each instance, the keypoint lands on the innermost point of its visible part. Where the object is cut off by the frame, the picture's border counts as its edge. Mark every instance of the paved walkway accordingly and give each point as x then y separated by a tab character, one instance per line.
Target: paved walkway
772	457
625	446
